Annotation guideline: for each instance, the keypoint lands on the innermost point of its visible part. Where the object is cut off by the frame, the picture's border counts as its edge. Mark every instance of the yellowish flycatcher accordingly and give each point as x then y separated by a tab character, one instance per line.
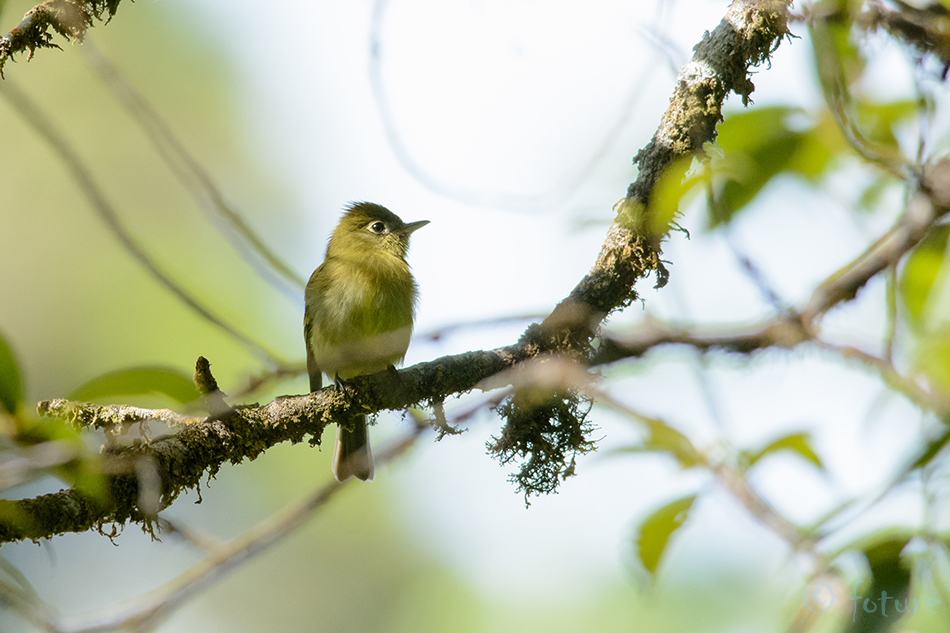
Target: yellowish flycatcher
360	304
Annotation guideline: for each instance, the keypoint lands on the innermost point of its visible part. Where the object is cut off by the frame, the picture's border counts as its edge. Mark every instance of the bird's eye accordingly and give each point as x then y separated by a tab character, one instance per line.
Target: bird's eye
377	227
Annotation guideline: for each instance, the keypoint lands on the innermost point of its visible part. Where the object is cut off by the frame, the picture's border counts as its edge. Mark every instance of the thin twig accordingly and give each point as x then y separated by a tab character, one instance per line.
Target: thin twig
33	114
149	610
207	195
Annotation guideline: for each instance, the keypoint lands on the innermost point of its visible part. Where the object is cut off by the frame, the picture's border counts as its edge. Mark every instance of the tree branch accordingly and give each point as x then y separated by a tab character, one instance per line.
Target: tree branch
203	444
749	33
751	30
69	18
930	203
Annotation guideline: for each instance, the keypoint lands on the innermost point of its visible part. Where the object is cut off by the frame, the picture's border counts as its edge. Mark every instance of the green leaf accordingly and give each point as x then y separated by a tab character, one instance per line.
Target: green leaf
760	144
665	438
662	438
878	120
674	187
656	530
933	448
890	585
798	443
931	356
136	381
11	384
920	273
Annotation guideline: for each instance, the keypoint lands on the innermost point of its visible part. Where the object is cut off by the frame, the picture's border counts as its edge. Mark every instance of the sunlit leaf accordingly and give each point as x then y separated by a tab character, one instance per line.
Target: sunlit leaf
11	384
136	381
819	142
756	145
663	437
675	184
798	443
656	530
920	272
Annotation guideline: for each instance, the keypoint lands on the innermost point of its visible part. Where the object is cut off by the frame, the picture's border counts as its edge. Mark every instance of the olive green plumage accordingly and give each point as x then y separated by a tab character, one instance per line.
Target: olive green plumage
360	305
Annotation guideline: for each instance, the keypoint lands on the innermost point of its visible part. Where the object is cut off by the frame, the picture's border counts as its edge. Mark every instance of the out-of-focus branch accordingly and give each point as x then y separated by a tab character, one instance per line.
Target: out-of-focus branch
782	332
785	332
926	29
196	180
69	18
33	114
827	23
930	203
147	611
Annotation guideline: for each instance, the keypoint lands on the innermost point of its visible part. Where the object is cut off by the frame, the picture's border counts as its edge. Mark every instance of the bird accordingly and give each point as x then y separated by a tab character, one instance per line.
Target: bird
360	304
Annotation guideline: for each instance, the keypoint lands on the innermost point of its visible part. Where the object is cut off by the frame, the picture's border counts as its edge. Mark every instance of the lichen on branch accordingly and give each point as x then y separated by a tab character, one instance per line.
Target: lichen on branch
747	35
69	18
545	434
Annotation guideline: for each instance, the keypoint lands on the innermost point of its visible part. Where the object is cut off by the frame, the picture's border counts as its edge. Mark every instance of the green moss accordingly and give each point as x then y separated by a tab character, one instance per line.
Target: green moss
545	435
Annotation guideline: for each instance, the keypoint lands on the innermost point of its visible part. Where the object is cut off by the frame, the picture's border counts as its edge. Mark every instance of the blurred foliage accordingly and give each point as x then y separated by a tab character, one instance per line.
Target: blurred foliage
136	381
889	588
657	528
761	144
919	276
841	66
11	384
923	287
660	437
797	443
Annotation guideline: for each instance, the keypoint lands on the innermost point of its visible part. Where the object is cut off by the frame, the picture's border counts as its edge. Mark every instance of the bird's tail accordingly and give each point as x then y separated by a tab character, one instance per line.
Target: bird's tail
352	456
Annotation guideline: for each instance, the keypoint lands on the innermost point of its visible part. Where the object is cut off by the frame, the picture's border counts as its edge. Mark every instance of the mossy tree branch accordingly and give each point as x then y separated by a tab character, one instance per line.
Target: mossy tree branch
69	18
749	33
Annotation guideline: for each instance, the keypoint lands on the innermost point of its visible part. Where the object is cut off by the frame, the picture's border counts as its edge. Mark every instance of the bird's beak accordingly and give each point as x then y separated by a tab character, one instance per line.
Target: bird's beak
413	226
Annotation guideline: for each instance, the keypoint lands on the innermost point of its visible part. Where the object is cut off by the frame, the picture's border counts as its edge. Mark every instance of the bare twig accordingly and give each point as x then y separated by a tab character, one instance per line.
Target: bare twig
33	114
929	204
196	180
146	612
